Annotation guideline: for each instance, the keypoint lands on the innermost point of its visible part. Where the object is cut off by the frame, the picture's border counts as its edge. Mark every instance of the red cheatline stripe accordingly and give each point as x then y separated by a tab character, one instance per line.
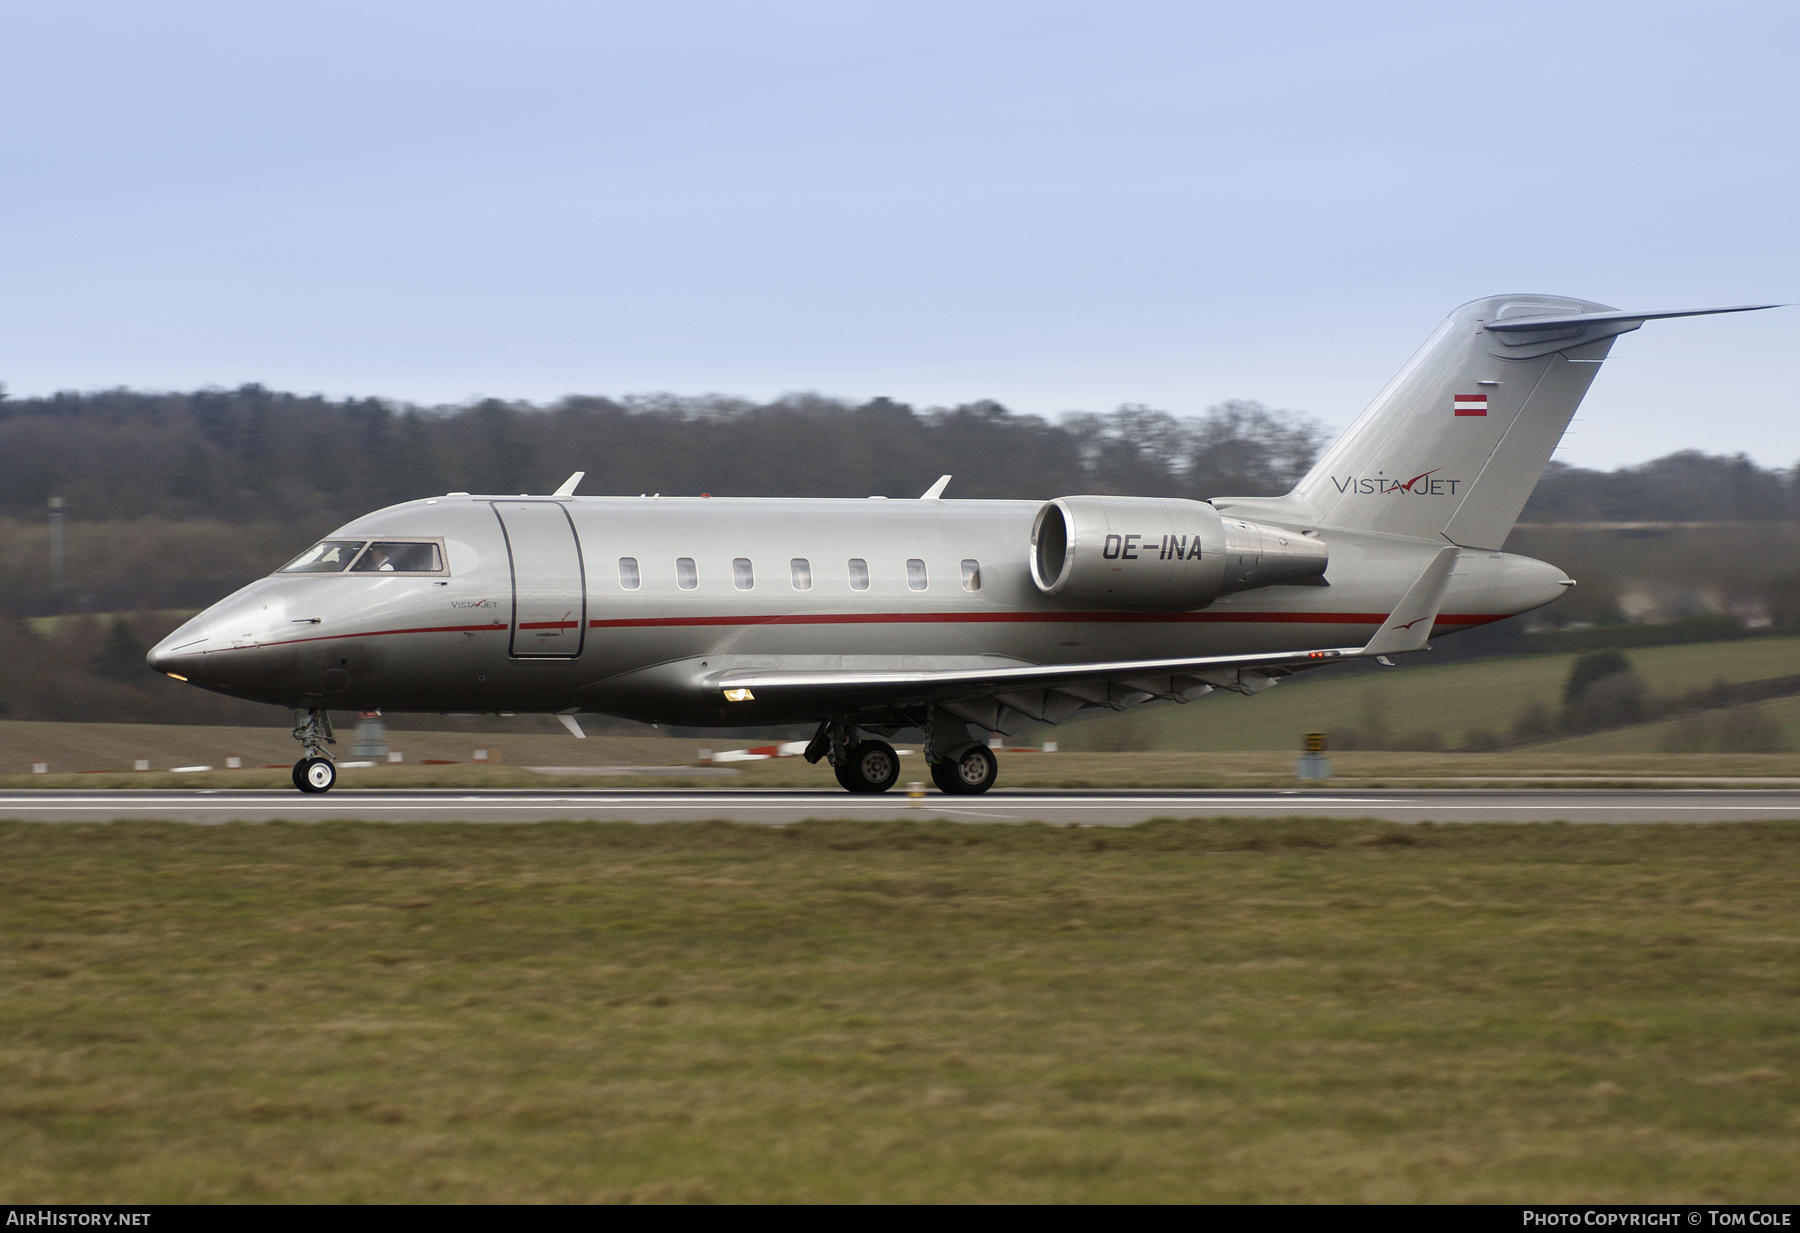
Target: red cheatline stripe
550	625
1026	618
1001	618
996	618
381	633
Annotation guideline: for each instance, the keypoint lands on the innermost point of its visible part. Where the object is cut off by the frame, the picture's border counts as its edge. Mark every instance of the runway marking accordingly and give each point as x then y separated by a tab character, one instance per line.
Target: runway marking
996	808
778	807
761	802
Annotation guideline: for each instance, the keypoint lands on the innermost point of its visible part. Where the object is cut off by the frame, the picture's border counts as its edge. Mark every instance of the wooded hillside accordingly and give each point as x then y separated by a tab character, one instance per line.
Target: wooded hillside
252	453
175	500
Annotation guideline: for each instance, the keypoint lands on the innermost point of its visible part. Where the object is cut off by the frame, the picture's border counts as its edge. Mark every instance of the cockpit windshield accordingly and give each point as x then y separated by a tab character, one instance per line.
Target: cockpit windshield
398	558
359	556
326	557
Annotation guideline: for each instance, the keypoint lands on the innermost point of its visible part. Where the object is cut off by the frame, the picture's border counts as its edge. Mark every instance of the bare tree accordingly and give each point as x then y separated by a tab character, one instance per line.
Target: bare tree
1237	448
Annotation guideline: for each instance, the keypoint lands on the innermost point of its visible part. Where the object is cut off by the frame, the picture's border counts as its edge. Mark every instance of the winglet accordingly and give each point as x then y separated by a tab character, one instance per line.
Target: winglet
936	490
568	488
1409	625
1525	325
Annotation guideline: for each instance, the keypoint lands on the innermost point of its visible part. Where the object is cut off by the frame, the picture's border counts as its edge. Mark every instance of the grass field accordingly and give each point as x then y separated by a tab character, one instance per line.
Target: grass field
114	747
1615	757
1275	1011
1452	699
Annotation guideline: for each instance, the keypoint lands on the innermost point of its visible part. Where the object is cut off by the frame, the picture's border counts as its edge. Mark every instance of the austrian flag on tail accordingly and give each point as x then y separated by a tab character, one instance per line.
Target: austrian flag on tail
1471	404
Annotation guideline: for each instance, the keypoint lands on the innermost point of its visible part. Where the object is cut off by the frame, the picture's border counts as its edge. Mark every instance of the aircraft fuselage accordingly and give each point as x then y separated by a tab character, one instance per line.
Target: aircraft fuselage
532	610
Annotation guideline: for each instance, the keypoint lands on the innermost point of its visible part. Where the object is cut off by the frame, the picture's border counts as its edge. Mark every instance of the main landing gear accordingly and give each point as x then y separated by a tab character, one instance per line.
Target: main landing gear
871	766
965	768
315	772
972	770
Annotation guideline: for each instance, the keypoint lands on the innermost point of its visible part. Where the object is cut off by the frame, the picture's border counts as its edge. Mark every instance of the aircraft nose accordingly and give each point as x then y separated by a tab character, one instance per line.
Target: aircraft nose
182	653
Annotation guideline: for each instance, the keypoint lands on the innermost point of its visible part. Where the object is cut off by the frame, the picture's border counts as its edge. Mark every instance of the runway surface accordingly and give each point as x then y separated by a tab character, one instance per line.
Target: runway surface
780	806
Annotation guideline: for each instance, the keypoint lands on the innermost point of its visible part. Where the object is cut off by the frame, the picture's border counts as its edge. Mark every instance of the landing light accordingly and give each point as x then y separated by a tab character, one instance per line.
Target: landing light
175	676
739	695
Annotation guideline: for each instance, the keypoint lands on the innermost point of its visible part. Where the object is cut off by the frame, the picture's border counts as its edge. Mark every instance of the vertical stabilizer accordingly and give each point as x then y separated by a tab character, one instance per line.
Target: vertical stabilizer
1454	445
1456	442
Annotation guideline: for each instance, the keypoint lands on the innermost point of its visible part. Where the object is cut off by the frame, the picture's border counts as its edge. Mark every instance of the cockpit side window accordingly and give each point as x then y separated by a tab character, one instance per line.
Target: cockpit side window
325	557
399	557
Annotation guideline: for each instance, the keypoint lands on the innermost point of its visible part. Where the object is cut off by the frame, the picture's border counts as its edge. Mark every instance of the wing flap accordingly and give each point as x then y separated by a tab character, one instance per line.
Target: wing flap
971	681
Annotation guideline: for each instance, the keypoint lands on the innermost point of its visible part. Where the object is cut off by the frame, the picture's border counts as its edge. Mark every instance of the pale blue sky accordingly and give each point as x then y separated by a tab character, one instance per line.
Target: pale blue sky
1058	206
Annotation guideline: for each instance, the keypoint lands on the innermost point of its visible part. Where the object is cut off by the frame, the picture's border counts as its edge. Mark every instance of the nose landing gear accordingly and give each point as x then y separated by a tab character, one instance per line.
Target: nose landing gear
315	772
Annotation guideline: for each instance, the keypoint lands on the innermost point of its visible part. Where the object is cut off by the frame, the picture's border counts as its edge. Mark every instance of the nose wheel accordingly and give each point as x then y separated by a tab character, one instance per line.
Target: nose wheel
313	775
312	728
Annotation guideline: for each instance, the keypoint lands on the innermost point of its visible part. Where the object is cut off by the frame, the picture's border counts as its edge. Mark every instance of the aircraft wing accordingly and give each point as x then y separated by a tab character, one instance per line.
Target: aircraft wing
1005	696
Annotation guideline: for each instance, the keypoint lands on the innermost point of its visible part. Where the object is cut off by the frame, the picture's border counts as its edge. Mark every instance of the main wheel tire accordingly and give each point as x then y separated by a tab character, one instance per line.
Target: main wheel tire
318	776
872	766
943	774
968	772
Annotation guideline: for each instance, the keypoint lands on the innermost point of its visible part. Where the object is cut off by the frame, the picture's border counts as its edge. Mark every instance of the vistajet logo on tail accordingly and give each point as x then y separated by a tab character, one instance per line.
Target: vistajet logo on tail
1425	484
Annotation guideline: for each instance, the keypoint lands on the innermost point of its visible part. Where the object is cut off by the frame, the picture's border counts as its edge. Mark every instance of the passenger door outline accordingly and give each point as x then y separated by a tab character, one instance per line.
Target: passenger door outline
548	621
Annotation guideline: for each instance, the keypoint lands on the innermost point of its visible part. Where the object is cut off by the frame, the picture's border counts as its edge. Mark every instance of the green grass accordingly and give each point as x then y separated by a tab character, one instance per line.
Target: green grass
47	626
1619	756
115	747
1668	734
1452	699
1548	764
1277	1011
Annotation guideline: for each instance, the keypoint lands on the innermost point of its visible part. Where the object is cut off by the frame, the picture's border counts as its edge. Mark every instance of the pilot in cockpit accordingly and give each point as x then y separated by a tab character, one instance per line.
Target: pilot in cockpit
397	557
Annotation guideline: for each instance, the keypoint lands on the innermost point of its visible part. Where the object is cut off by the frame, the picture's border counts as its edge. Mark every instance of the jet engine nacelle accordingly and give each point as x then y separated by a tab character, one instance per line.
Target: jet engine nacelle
1156	554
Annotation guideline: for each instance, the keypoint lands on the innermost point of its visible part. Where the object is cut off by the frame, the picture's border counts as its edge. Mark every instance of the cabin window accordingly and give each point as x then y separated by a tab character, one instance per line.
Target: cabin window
742	576
971	575
628	573
915	574
686	577
859	574
801	570
326	557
